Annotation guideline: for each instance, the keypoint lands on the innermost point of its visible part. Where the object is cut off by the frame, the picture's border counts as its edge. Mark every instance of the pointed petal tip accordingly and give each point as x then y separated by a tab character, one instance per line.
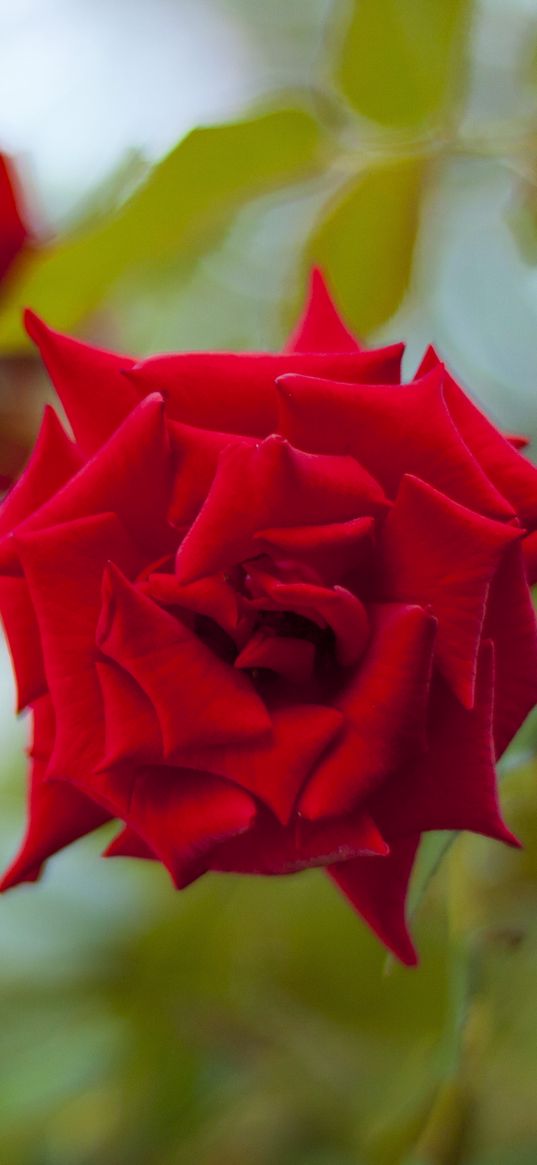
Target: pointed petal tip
35	327
407	955
18	873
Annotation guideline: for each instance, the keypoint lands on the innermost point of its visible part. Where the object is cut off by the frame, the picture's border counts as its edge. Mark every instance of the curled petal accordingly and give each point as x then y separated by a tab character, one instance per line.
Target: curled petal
377	890
195	695
130	475
275	767
268	848
196	453
58	814
391	431
180	815
444	556
234	392
212	596
22	634
268	485
513	475
63	567
453	785
335	552
510	624
54	461
90	383
286	656
384	705
332	607
131	728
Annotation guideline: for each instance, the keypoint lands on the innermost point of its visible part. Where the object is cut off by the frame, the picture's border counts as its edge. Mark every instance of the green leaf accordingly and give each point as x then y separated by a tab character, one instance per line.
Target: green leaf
401	59
185	199
366	241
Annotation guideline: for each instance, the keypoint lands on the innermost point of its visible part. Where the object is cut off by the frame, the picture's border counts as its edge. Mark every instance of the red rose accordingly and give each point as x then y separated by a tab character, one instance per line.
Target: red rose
270	612
13	233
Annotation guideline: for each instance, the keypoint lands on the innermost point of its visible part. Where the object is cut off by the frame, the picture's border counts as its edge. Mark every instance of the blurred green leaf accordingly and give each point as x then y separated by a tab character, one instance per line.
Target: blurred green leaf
189	194
366	241
401	58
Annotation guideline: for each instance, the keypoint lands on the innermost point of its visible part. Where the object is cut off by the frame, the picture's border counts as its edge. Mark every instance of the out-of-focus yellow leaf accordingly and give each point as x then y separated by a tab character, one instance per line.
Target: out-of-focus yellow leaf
185	198
401	59
366	241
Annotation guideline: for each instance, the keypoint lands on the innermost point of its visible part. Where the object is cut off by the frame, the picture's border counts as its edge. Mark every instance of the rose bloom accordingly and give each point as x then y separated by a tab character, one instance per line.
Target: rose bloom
268	611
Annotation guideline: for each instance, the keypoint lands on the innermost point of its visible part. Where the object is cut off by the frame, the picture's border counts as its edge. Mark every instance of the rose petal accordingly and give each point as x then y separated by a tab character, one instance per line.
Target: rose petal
385	707
90	383
234	392
129	475
335	552
13	232
131	729
391	431
444	556
54	461
268	848
332	607
320	328
64	567
286	656
181	815
268	485
22	634
514	476
58	814
196	453
377	890
454	784
510	623
195	695
275	767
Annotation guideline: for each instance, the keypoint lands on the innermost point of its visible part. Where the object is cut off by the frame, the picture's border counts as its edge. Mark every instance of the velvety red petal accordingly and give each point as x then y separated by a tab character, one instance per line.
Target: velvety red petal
64	567
130	475
514	476
196	453
268	848
13	232
510	623
57	813
454	784
334	552
23	639
181	815
195	695
530	557
212	596
384	705
329	607
321	328
234	392
129	844
377	890
90	383
391	431
54	461
291	658
271	484
131	728
275	767
443	556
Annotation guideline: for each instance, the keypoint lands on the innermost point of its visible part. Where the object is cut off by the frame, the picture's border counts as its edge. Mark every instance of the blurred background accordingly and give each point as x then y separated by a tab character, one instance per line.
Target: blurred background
179	165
